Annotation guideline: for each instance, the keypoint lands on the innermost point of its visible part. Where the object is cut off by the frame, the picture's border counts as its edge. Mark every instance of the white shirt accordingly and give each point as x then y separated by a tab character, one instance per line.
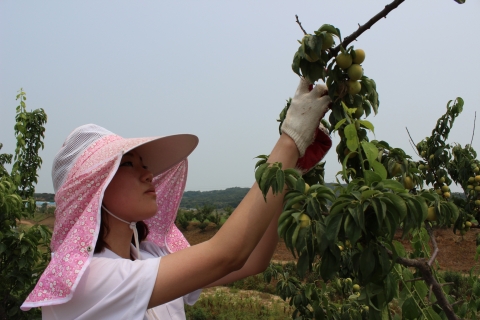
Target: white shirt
115	288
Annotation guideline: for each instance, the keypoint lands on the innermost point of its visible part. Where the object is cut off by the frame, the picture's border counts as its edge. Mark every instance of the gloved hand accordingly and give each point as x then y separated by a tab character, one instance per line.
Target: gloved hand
303	117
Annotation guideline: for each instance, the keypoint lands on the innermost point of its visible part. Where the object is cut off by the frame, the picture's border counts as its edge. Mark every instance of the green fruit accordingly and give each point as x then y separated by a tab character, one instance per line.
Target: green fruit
477	202
297	206
463	232
354	87
446	195
408	183
431	157
471	179
359	112
327	41
421	167
470	187
432	214
476	170
397	168
348	280
312	57
439	191
477	179
468	224
441	180
423	154
304	220
356	288
477	188
445	189
359	56
344	60
355	72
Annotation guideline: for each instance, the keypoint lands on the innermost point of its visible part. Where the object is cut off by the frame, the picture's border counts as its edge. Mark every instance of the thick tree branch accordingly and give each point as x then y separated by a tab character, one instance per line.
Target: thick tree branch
366	26
427	275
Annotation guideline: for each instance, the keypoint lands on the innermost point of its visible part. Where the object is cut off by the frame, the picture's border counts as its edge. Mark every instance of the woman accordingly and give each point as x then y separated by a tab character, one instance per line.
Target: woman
111	192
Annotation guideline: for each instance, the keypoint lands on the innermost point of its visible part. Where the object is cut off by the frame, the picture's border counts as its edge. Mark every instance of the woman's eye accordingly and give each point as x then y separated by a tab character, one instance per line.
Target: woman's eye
127	164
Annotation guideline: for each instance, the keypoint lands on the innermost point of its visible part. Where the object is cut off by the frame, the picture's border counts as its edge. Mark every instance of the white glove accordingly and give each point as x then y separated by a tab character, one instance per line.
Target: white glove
305	112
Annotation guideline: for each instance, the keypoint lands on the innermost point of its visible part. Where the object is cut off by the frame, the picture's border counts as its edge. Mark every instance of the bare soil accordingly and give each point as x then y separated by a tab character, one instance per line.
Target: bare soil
456	253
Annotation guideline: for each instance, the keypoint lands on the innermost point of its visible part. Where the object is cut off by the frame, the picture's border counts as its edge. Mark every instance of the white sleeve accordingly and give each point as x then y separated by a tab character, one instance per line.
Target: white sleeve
110	289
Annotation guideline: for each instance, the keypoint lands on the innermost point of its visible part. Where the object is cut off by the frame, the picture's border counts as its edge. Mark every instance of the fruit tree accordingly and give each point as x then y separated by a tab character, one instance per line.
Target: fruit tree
347	236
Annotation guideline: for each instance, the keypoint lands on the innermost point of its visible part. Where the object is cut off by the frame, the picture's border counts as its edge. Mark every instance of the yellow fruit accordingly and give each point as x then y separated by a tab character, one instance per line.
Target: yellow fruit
408	183
354	87
421	167
431	157
348	280
477	188
439	191
327	41
307	187
468	224
304	220
445	188
359	56
348	244
477	179
340	248
446	195
344	60
423	154
476	170
356	288
477	202
441	180
355	72
397	168
432	214
471	179
366	308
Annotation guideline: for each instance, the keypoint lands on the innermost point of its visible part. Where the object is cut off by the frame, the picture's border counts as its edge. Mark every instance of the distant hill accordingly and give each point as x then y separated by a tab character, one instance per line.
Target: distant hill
218	198
47	197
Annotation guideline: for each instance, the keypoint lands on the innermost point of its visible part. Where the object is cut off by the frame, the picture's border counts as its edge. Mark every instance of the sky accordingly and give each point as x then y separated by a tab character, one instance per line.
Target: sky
222	70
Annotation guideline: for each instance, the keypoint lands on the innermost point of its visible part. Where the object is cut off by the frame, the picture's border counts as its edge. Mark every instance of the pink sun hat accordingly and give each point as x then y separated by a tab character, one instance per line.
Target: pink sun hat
82	170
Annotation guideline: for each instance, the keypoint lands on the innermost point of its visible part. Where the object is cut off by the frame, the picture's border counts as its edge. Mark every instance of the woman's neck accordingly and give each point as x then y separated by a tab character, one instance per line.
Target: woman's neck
119	237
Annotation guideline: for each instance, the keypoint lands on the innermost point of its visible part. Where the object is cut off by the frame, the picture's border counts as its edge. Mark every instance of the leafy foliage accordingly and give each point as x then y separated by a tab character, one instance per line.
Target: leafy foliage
385	191
24	252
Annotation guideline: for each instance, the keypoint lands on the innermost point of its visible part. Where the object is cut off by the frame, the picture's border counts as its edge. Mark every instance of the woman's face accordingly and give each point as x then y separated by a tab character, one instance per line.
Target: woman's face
131	195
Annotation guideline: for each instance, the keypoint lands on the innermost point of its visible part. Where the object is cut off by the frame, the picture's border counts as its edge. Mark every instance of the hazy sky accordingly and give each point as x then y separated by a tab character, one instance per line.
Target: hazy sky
221	70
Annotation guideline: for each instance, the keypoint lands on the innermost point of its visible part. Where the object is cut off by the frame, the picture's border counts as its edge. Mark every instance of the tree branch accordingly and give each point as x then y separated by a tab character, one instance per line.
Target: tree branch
473	133
366	26
427	275
434	244
304	32
412	142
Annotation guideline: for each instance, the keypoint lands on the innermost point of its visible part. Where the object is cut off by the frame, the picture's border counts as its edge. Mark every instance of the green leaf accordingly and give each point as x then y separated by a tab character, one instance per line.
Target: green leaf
421	288
371	177
351	135
339	123
379	169
367	124
370	150
280	180
410	309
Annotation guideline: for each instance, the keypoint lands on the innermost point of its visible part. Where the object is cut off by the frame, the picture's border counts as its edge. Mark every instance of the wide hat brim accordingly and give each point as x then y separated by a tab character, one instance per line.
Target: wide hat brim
162	153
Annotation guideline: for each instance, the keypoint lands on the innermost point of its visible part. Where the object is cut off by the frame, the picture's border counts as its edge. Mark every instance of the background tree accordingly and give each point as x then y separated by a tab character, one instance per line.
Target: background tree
24	251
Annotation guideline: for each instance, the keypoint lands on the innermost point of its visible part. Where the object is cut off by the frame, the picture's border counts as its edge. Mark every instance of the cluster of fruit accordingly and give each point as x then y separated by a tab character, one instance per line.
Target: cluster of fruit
350	64
474	185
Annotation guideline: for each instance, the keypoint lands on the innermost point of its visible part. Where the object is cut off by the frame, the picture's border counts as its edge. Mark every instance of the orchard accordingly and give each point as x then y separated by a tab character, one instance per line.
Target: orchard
346	236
